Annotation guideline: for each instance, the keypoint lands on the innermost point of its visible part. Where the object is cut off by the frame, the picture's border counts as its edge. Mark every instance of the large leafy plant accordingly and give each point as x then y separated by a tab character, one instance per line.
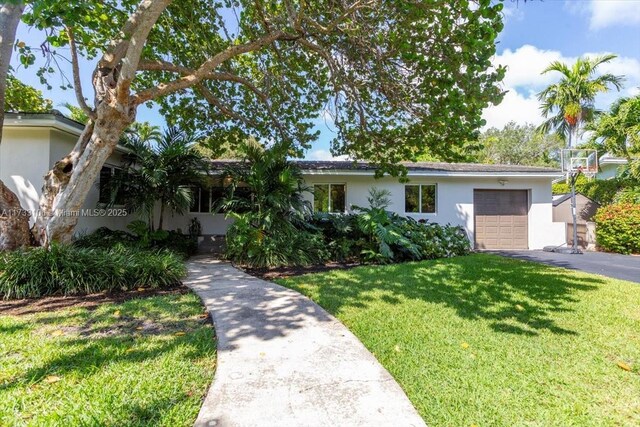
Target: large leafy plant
159	170
265	197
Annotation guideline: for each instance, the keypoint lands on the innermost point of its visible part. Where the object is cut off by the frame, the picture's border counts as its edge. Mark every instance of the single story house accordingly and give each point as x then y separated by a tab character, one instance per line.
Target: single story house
498	206
609	166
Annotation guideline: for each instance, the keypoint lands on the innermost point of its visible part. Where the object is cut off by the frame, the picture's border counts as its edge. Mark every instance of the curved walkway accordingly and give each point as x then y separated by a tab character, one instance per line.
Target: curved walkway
284	361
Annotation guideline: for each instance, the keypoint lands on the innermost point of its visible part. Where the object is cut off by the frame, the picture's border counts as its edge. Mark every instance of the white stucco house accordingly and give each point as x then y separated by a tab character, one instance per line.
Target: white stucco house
499	206
609	166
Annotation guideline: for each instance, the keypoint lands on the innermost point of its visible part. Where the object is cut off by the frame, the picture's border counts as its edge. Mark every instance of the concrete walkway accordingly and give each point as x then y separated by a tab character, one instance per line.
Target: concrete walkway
284	361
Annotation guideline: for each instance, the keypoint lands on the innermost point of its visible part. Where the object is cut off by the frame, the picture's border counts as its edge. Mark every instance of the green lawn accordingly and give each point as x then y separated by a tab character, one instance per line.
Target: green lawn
142	362
483	340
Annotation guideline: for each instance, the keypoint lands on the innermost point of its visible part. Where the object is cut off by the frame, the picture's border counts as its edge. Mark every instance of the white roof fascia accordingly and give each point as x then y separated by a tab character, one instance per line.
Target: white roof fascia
442	174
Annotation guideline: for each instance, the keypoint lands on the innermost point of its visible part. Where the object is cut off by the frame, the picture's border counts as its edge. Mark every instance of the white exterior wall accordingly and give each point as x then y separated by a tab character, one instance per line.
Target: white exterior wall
28	153
454	200
608	171
211	224
24	159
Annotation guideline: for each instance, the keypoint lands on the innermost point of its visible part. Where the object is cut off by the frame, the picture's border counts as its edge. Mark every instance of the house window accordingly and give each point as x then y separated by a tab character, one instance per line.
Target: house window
106	185
329	198
204	200
420	198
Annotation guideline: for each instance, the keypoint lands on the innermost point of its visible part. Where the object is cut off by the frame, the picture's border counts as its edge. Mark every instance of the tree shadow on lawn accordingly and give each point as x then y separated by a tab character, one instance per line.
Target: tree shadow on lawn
91	340
518	297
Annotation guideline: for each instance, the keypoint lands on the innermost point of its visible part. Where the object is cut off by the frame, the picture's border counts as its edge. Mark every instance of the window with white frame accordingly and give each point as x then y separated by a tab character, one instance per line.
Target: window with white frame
420	198
329	197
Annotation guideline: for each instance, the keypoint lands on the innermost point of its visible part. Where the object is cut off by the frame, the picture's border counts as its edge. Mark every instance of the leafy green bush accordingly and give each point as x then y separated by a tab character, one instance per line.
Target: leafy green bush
618	228
104	238
378	236
67	269
254	242
603	191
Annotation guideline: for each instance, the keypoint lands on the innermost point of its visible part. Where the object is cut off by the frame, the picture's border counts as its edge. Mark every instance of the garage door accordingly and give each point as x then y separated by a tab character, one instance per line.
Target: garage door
501	218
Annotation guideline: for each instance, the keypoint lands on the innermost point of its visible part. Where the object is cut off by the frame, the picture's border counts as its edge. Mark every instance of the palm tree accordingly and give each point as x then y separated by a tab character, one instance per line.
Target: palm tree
570	102
160	168
268	184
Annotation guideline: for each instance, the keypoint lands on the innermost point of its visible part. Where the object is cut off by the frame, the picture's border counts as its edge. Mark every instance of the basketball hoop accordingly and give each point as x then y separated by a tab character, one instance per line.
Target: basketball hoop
576	161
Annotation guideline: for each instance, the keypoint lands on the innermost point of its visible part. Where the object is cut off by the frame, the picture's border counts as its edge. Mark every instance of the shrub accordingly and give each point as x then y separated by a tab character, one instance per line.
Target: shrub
618	228
602	191
379	236
67	269
104	238
255	242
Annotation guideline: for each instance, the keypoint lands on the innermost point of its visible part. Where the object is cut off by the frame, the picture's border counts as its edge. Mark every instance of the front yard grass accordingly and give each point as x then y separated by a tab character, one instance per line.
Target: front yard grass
145	361
484	340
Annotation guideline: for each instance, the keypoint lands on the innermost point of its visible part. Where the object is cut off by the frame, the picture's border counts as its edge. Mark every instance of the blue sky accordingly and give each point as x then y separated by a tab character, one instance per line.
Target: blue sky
535	33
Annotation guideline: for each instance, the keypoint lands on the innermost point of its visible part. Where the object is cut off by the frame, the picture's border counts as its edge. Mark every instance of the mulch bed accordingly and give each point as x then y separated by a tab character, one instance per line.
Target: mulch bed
283	272
91	301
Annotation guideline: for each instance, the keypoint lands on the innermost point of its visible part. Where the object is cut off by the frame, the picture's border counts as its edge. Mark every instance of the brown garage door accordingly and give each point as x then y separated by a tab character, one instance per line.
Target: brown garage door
501	218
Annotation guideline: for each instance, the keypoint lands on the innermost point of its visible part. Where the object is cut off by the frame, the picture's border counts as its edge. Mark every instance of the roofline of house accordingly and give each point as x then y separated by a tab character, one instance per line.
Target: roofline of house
612	160
53	120
425	173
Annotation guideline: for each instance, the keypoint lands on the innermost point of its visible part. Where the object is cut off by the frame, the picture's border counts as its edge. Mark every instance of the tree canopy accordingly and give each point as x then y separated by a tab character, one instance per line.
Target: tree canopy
21	97
393	76
519	145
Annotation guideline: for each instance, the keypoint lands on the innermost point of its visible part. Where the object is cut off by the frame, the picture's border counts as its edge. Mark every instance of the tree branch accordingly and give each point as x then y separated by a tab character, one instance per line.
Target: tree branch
213	100
145	18
77	85
209	66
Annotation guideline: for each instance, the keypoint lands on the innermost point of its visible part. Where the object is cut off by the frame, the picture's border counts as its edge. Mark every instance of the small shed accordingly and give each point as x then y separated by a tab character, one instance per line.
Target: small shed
586	209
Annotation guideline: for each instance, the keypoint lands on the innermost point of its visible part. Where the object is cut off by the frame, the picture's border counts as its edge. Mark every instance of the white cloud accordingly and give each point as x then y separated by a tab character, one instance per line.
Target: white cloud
523	80
525	65
322	155
514	107
606	13
512	12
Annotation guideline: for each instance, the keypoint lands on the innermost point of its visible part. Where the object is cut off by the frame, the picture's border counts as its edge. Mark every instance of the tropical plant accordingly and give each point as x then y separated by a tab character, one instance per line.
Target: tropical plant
570	102
379	198
618	132
140	238
158	169
267	184
67	269
265	197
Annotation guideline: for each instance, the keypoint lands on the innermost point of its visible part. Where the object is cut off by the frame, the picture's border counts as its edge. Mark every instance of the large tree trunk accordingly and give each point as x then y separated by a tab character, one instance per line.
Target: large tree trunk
14	222
67	185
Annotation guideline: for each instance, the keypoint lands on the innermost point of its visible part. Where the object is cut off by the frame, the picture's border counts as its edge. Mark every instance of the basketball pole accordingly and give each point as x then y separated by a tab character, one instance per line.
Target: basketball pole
574	208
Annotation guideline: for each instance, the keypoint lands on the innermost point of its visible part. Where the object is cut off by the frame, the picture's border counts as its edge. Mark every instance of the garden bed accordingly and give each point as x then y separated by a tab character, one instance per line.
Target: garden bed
90	302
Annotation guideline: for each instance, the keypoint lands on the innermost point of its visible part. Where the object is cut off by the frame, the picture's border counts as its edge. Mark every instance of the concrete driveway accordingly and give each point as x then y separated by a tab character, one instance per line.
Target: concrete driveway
625	267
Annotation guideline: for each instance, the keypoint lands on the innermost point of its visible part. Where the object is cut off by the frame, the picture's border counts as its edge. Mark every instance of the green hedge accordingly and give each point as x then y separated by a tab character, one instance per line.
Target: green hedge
618	228
66	269
602	191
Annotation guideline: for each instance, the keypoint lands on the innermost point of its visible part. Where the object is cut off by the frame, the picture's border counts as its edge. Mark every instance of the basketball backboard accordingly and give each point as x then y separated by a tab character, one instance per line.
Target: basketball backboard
579	159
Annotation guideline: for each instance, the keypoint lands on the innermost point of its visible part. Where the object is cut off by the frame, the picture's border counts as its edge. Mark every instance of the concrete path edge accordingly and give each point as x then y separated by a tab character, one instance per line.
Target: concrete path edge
284	361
